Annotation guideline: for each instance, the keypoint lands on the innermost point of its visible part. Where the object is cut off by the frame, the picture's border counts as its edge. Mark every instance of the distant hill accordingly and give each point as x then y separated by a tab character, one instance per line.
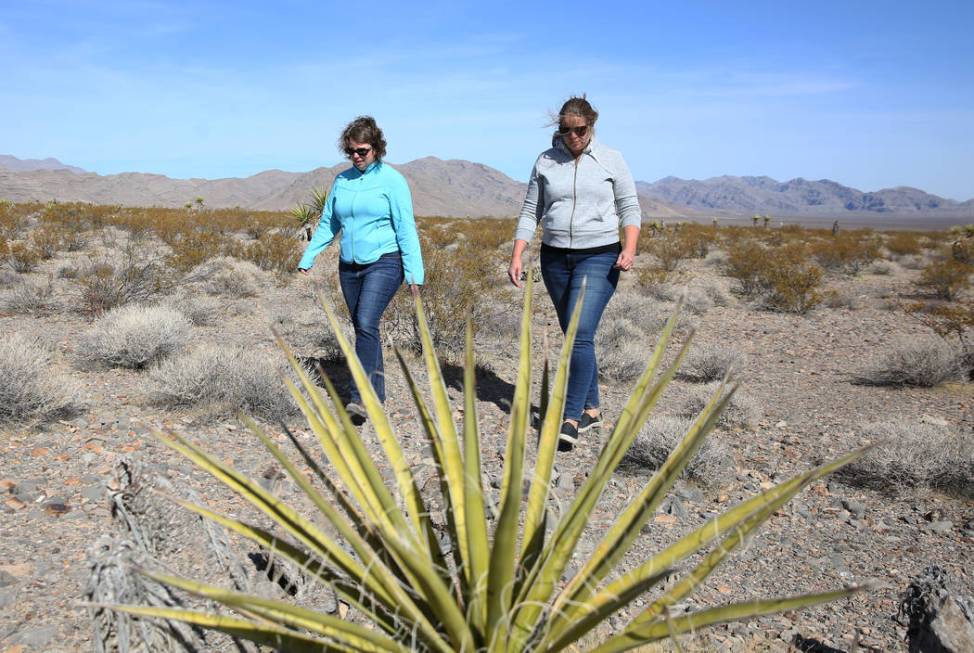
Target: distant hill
466	189
797	197
23	165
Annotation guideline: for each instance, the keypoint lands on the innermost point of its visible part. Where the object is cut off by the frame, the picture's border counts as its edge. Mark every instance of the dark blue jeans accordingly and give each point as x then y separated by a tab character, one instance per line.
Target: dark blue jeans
368	289
563	272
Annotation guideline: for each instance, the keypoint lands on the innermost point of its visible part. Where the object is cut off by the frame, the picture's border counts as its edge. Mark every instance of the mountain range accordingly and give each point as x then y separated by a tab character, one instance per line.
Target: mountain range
466	189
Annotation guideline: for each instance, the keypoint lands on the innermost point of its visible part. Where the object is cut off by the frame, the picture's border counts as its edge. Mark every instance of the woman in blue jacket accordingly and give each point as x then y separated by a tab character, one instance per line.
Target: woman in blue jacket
370	204
581	192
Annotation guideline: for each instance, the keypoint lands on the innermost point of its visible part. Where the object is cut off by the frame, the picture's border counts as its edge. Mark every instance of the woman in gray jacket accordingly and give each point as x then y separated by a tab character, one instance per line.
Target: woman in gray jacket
581	192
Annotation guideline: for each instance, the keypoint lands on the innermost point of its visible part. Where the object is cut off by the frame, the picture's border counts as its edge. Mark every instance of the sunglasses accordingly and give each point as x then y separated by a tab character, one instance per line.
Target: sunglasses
361	151
578	131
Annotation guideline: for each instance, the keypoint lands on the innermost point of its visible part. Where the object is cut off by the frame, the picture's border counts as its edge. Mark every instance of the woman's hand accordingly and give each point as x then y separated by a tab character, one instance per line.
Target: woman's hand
414	289
517	266
627	257
304	272
625	260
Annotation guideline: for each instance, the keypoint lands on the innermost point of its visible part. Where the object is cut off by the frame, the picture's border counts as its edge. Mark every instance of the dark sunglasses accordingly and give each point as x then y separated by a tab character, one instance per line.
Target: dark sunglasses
579	131
361	151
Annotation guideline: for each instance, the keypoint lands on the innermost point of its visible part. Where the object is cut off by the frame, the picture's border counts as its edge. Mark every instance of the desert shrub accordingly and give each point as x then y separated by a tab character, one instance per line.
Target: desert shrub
31	387
880	268
903	243
847	252
710	363
191	247
627	323
102	285
134	337
925	362
915	455
790	280
834	298
199	310
650	278
226	276
307	331
68	272
46	241
748	262
945	277
911	262
30	298
274	252
672	248
22	257
222	380
742	411
712	466
962	250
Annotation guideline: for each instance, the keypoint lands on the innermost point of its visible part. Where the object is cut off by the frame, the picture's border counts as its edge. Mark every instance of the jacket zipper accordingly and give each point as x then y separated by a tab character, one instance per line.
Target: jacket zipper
571	218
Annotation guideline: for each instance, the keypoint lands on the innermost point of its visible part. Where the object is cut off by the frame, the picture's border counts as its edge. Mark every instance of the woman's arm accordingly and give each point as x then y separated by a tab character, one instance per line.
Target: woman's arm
629	212
404	224
527	223
328	227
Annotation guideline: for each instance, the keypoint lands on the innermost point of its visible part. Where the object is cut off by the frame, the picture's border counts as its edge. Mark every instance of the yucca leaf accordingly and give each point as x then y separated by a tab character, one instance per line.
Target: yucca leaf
383	429
286	614
628	525
452	461
356	471
548	443
579	617
558	552
353	591
475	518
503	553
657	630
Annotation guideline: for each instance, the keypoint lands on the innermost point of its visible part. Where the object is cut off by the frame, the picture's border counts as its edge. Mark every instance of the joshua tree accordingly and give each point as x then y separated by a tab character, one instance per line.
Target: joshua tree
755	219
767	220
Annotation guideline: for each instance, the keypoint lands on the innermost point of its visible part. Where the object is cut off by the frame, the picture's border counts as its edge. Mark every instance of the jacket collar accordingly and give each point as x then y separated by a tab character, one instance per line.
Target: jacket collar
371	167
592	149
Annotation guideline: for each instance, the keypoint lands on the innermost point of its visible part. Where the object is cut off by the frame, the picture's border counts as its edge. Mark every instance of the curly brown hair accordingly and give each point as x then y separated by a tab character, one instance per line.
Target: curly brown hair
363	130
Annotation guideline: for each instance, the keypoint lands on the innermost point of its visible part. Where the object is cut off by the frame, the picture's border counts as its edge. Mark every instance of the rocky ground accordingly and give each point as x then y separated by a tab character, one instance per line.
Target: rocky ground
58	477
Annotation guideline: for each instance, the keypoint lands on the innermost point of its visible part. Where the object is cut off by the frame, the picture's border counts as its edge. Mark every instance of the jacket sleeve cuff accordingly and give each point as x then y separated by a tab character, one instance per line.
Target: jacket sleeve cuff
524	234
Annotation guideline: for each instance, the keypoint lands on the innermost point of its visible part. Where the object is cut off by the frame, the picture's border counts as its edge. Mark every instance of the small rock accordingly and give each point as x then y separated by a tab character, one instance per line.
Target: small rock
856	508
940	527
56	507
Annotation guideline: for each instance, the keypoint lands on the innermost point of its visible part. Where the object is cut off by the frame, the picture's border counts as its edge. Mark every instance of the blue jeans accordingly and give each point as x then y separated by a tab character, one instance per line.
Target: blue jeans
563	272
368	289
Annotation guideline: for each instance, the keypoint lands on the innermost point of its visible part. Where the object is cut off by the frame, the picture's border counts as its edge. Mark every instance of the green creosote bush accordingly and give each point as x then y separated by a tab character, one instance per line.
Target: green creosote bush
273	252
496	588
22	257
945	277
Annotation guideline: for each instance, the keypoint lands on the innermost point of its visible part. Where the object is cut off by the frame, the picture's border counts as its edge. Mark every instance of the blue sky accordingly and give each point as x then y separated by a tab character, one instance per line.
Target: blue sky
870	94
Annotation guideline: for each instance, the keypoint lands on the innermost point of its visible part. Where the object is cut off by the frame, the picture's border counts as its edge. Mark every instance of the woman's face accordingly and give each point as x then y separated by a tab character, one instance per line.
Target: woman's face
361	154
575	133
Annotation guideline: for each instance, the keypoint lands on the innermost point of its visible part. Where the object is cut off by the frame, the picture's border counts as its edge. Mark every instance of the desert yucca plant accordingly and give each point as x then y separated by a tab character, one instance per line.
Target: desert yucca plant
491	589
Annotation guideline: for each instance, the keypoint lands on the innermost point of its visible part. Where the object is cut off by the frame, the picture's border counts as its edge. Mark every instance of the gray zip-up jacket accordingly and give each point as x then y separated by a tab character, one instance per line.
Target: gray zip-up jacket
579	206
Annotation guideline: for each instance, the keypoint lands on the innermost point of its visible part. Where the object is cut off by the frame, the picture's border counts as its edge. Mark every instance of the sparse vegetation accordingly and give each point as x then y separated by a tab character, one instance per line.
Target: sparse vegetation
946	277
925	362
712	466
31	388
103	285
134	337
915	455
741	411
221	380
710	363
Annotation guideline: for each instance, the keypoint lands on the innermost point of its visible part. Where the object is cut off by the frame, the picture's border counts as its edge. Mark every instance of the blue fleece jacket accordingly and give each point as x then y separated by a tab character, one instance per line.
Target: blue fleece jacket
373	210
